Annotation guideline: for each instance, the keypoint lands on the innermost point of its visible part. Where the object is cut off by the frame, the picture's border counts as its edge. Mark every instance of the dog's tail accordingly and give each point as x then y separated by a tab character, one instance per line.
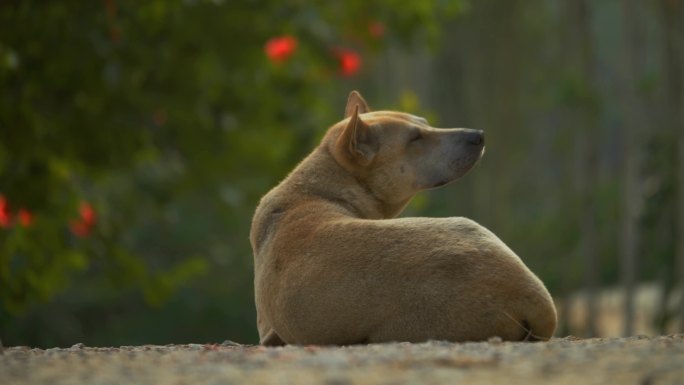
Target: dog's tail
531	331
536	327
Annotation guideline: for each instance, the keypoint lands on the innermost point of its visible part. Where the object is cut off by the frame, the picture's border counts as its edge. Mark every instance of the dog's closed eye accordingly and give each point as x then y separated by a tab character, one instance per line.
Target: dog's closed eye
415	136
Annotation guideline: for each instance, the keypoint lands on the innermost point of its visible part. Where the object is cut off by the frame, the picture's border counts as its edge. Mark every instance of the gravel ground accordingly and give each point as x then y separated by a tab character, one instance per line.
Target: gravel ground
623	361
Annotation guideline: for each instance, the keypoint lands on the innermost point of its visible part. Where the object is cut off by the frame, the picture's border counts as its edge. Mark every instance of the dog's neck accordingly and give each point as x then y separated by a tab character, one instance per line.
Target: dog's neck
320	176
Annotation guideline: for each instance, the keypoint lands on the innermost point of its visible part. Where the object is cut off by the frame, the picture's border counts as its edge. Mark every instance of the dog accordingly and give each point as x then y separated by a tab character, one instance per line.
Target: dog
334	266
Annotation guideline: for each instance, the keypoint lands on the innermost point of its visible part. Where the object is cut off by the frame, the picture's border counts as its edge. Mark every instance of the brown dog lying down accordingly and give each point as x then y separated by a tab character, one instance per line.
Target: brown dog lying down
332	266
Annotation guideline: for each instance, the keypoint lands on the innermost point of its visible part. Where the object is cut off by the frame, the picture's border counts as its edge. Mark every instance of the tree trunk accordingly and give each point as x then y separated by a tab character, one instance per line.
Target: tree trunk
678	24
672	19
584	116
632	202
680	209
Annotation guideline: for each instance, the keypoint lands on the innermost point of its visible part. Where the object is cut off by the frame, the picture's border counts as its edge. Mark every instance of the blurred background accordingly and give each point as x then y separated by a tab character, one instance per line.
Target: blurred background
137	137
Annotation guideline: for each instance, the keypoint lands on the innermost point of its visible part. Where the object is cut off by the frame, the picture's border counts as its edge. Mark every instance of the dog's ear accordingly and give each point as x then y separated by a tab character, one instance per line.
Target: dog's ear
355	99
356	143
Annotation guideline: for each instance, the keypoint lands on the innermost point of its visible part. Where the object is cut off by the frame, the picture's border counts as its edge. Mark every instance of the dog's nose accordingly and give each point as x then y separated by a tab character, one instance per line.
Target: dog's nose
475	137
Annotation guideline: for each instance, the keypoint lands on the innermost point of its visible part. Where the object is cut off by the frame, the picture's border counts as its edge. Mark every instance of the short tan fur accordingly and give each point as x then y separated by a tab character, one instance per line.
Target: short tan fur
334	266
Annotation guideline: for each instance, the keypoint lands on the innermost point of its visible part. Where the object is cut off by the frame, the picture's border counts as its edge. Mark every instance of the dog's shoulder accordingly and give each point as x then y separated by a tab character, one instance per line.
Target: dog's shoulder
280	216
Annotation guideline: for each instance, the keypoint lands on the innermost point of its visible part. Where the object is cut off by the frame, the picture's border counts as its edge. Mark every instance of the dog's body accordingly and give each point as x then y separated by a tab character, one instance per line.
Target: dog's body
332	267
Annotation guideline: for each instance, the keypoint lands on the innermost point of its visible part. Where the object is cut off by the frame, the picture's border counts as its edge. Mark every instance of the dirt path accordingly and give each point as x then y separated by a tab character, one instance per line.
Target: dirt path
637	360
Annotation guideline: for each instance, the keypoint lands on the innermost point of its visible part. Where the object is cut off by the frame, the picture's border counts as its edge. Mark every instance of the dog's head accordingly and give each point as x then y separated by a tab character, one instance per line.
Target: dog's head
398	154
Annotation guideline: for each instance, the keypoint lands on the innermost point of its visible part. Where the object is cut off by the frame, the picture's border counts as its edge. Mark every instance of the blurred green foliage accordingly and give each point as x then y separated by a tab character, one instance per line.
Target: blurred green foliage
170	120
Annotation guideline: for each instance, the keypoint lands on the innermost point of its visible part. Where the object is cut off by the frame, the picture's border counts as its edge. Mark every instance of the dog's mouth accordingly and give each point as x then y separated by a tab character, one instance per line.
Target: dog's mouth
461	166
456	169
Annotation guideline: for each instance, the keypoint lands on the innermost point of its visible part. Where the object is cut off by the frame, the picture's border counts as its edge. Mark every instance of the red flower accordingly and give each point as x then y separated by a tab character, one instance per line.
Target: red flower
87	213
25	217
279	49
114	30
84	225
5	215
350	62
79	229
376	29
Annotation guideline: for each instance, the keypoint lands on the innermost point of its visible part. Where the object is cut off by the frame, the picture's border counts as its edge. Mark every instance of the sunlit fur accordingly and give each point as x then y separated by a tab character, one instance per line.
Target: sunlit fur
334	266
